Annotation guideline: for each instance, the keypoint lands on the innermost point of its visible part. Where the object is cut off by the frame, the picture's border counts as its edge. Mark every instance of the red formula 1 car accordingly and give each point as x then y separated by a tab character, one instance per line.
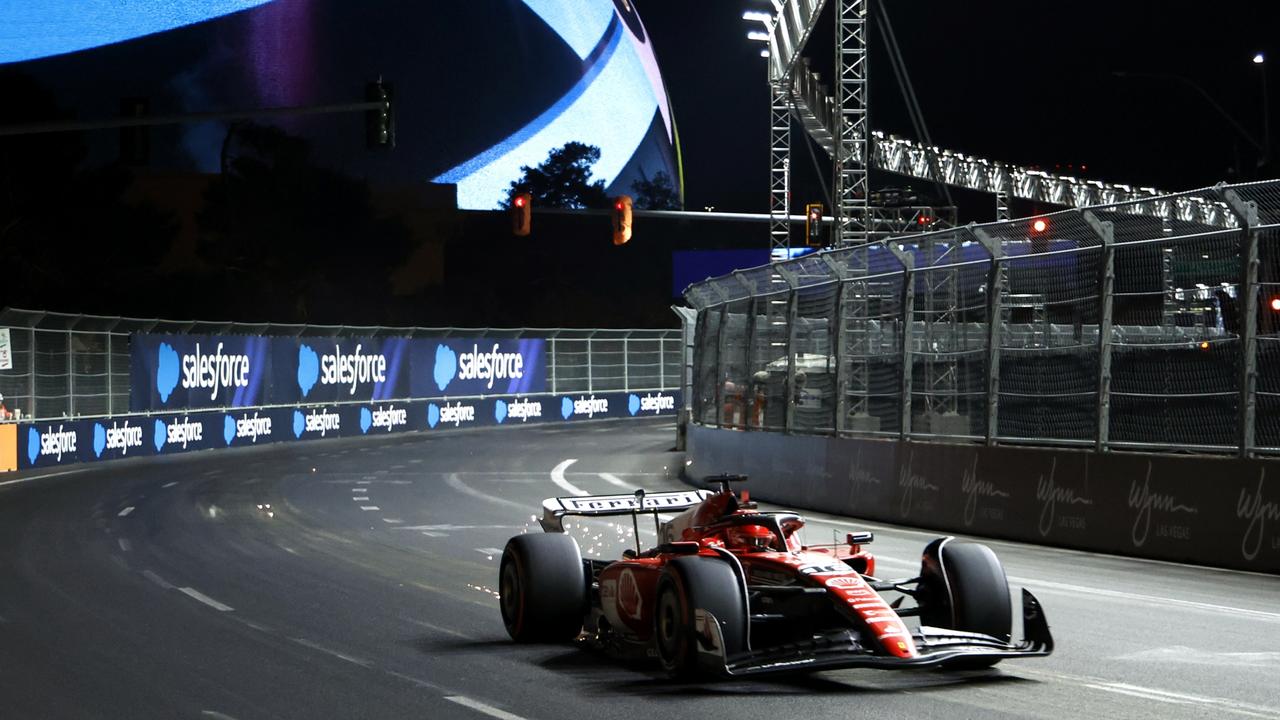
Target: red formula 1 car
730	591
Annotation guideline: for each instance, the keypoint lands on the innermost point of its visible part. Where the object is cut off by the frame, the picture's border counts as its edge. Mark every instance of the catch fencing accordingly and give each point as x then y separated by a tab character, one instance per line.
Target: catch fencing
80	366
1151	324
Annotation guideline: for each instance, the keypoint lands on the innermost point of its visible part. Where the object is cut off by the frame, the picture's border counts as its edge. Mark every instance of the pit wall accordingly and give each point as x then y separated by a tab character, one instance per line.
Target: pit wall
1198	509
26	446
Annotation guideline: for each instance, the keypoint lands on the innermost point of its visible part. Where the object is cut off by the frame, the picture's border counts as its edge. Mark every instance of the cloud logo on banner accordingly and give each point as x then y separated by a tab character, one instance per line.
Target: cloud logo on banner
433	415
566	407
308	368
162	434
366	419
229	429
299	423
166	371
446	366
33	445
500	411
633	404
99	439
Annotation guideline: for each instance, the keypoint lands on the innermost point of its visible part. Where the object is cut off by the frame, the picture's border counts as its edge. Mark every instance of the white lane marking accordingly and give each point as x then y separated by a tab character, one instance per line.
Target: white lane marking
45	475
1217	705
124	544
489	551
1149	599
196	594
360	488
369	507
615	480
215	715
453	481
169	484
125	512
164	584
439	628
363	498
478	706
557	477
1181	654
391	521
348	658
430	533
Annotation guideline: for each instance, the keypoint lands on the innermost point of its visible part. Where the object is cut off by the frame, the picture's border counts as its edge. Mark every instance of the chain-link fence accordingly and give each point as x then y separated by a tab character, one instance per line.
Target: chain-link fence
79	365
1149	324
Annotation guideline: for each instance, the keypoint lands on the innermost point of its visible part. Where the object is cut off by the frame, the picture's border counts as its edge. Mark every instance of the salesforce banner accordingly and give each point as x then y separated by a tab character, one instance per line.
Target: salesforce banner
332	370
476	366
198	371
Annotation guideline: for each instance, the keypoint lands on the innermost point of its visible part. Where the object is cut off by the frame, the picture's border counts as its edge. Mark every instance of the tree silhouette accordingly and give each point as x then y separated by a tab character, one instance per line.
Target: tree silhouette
563	180
657	193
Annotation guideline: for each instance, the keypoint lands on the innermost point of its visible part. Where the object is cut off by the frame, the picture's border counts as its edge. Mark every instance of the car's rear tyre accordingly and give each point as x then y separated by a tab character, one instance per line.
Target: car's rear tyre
963	587
688	584
542	588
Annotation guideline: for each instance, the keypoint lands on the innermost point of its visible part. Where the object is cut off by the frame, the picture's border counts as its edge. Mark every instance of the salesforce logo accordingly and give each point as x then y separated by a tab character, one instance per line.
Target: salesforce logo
116	437
50	443
317	421
517	409
179	432
245	428
214	371
650	403
589	406
166	371
446	366
390	417
448	414
340	369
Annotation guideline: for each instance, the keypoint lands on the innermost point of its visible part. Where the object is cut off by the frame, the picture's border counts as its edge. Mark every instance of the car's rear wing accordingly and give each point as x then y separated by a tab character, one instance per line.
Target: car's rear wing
555	509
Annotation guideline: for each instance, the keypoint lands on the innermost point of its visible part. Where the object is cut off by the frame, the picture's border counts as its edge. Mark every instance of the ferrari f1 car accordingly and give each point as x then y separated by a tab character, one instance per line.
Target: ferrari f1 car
730	591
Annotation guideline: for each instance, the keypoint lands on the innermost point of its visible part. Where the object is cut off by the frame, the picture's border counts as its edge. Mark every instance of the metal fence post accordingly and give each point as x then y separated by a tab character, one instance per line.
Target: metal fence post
110	395
71	377
724	312
662	361
841	405
590	370
995	293
1247	212
626	363
748	401
553	364
1106	233
793	311
908	333
32	373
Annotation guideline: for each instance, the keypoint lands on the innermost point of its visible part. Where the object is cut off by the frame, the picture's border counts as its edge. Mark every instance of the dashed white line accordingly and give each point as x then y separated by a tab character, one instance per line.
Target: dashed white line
392	521
455	482
364	498
348	658
169	484
215	715
370	507
615	480
42	477
557	477
125	512
164	584
478	706
197	595
124	544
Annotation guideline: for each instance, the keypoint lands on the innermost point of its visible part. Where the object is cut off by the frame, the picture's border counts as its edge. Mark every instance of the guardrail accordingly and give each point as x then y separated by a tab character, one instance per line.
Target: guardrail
107	388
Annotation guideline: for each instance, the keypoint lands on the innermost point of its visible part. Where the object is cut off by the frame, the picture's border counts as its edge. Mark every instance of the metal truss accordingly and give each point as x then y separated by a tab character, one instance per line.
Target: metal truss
779	172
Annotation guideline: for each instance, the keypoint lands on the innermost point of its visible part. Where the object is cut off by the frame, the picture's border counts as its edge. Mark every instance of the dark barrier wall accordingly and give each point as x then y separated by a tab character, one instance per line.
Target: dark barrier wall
1198	509
52	444
175	372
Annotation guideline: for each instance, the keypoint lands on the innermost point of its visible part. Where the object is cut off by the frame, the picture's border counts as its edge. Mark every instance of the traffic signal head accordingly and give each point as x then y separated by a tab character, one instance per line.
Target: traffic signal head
1275	304
379	122
521	214
620	212
1039	225
813	225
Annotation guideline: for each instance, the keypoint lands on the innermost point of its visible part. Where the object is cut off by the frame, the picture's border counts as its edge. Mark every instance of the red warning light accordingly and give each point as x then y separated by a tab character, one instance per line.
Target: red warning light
924	220
1204	344
1039	225
1275	304
618	205
519	201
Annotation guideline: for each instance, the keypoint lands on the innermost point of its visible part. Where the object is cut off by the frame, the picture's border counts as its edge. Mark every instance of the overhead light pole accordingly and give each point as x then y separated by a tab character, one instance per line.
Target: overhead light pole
1261	61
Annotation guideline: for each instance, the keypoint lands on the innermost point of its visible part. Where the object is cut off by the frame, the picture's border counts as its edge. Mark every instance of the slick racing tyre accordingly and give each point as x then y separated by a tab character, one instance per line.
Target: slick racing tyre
689	584
542	588
964	588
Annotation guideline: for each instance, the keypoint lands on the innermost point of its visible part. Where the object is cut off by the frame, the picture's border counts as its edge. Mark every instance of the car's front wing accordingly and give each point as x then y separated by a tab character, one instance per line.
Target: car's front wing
937	648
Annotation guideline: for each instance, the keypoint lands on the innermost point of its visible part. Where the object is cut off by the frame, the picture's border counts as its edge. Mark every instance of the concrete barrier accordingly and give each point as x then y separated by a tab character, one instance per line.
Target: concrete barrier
1198	509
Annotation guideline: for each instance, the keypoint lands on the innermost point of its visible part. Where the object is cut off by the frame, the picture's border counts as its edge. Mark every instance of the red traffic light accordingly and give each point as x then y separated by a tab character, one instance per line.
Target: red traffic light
1275	304
520	201
521	214
1039	225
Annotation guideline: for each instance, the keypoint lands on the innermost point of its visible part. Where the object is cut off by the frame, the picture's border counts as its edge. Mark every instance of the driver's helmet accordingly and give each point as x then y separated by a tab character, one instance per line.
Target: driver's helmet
750	537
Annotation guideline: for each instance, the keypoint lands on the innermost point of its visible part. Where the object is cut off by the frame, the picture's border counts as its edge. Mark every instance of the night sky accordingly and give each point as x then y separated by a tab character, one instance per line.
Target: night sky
1023	82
